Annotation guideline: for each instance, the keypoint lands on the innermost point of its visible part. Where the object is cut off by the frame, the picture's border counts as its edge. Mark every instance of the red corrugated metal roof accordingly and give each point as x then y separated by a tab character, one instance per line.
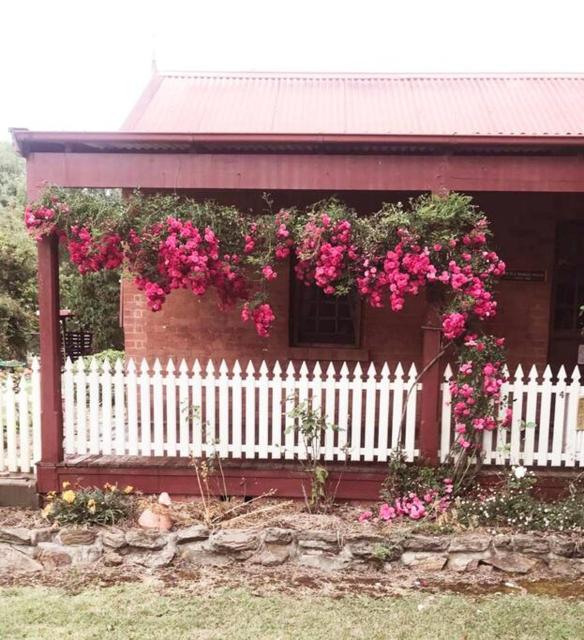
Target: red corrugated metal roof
361	104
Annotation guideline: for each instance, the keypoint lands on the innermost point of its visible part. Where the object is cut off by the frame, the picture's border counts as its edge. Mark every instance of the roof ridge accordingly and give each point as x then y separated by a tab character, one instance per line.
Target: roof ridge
339	75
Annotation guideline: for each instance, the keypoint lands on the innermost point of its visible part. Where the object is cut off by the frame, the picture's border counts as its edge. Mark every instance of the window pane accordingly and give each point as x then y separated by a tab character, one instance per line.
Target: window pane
323	319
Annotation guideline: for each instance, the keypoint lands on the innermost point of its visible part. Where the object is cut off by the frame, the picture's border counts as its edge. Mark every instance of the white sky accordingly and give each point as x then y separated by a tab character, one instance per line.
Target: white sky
80	64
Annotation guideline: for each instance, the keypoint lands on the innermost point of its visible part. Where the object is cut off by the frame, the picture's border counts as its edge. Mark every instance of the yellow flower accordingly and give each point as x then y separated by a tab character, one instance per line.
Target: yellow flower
46	512
68	496
128	489
51	495
110	487
91	506
66	484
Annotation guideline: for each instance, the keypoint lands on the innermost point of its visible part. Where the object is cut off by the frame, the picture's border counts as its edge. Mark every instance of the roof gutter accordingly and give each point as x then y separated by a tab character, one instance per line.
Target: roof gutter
26	140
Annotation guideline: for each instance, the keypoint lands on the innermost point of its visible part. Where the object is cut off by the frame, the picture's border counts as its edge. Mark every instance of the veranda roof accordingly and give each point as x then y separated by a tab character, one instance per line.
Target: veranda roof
307	110
361	104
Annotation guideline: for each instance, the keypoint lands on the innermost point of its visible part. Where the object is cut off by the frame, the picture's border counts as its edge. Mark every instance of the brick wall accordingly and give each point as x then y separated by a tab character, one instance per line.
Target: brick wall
524	226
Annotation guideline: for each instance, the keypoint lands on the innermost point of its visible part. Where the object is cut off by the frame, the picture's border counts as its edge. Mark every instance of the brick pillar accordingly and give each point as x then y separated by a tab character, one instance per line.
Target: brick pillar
50	348
429	439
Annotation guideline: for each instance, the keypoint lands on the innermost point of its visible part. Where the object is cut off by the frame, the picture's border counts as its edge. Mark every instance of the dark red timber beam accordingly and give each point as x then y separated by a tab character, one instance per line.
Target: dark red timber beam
302	171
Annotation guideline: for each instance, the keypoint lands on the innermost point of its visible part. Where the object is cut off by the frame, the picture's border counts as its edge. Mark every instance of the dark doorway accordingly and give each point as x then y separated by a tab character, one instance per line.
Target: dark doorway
568	297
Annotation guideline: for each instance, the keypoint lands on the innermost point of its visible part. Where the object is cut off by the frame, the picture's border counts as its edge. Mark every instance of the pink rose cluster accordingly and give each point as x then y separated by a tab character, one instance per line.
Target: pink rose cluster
261	315
414	506
91	254
40	219
188	258
325	253
36	218
476	390
403	271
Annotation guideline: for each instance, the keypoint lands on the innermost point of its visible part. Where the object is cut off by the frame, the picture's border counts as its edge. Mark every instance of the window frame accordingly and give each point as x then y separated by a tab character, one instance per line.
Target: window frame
296	287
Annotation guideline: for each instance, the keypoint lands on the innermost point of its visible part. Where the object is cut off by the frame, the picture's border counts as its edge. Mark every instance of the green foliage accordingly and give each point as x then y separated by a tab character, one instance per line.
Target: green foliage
513	505
89	506
17	262
94	298
311	425
109	354
404	477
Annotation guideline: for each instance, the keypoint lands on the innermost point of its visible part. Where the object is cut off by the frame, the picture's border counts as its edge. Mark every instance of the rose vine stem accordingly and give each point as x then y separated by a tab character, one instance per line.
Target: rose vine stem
414	386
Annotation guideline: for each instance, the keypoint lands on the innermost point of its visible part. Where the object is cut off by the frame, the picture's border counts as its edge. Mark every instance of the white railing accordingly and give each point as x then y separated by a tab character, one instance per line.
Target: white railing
165	412
160	411
20	421
545	426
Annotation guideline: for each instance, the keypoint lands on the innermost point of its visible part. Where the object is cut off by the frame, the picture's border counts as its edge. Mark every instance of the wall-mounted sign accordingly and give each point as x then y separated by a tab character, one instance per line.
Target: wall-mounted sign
580	418
525	276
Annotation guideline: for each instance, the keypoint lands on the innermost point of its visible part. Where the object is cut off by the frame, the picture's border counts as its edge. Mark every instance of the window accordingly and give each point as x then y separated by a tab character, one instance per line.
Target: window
320	319
569	278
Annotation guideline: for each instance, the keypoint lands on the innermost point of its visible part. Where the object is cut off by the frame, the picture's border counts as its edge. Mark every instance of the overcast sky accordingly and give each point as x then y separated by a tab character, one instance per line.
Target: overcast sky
80	65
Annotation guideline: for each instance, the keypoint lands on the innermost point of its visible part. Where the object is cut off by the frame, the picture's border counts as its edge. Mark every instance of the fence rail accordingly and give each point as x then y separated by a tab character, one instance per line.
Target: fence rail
156	411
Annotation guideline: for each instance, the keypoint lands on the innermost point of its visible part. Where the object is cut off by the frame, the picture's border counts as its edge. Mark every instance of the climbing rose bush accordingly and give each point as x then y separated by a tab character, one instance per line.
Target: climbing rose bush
434	244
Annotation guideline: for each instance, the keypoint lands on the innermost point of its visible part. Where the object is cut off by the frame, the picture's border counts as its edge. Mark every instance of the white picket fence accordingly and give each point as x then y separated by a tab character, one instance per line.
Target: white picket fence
160	411
20	421
165	412
544	430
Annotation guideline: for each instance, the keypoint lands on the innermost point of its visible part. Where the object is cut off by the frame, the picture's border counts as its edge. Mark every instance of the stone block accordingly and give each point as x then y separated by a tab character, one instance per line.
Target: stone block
424	560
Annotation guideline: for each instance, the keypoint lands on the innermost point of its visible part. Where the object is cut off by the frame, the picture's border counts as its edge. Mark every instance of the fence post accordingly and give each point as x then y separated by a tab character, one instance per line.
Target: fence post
430	401
50	347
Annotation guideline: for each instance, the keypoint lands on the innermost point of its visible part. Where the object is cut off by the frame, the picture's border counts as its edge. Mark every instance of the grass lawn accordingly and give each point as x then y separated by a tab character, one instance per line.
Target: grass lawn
140	611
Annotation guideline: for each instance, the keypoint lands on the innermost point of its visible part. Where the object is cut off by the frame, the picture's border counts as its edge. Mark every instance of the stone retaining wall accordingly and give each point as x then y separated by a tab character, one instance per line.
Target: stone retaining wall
23	549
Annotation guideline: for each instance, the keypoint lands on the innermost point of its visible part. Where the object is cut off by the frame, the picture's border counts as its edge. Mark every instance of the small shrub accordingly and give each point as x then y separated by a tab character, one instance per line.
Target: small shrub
512	505
412	491
311	425
89	506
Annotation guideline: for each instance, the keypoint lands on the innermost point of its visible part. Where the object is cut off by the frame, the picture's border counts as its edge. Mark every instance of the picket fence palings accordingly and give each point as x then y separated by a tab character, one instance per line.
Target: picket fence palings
69	406
342	436
93	382
236	395
170	385
183	410
446	415
263	395
559	413
572	418
23	426
196	410
290	386
542	455
223	409
145	414
383	420
356	404
303	401
36	411
252	416
277	411
517	424
398	405
249	385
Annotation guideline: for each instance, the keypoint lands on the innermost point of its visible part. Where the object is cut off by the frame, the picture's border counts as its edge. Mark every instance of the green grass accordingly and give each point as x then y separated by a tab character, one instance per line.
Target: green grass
137	611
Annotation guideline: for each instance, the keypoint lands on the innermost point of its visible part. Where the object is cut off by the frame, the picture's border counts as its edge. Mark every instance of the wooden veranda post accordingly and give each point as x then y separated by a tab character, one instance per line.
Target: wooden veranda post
430	401
50	350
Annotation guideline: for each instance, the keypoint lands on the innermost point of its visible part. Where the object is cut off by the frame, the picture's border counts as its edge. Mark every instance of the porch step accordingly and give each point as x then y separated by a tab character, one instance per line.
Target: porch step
18	491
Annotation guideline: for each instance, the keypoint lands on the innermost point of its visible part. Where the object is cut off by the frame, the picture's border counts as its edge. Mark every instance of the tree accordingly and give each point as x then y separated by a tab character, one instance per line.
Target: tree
93	299
17	262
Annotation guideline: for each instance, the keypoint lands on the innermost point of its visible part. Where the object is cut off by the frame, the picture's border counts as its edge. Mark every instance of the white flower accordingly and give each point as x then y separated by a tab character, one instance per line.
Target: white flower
519	472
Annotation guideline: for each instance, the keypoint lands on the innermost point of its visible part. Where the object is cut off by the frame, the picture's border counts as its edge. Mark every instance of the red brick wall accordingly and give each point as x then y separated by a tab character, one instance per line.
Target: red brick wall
524	226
